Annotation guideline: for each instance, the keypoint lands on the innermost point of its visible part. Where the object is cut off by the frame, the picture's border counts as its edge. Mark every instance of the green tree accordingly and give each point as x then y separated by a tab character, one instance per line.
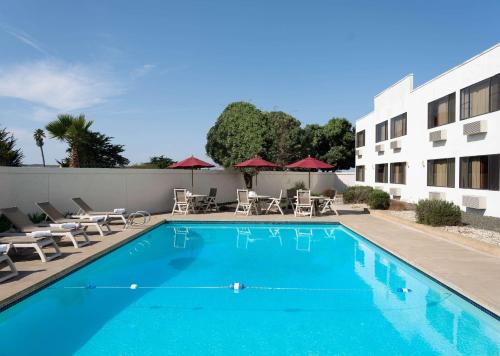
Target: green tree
9	154
74	131
240	132
97	151
156	162
339	134
39	135
284	138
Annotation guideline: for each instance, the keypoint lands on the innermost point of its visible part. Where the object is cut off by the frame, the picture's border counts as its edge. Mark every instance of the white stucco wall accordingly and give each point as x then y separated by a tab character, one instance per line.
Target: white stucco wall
139	189
416	148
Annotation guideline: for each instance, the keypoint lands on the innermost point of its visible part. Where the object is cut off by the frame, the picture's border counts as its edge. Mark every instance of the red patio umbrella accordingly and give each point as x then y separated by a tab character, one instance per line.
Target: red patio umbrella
256	163
310	163
191	162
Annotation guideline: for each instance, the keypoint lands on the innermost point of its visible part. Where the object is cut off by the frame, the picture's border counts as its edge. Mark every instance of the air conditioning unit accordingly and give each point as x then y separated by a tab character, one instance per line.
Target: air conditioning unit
395	192
474	201
396	144
437	195
380	147
359	152
436	136
477	127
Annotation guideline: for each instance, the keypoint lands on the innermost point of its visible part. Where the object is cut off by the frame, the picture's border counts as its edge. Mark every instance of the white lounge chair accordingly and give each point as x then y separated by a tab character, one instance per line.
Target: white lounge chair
85	210
23	224
245	204
275	204
57	217
304	205
5	259
182	203
27	240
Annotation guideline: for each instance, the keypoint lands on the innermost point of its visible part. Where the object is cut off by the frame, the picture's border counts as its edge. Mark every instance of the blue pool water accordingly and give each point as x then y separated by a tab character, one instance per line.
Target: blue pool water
311	290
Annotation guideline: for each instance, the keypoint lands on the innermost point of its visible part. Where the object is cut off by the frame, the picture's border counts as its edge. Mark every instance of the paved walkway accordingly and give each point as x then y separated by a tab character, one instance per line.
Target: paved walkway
470	272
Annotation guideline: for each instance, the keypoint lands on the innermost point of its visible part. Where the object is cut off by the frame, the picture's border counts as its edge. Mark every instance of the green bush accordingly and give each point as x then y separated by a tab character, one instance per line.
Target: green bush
37	218
300	185
4	224
378	199
438	213
357	194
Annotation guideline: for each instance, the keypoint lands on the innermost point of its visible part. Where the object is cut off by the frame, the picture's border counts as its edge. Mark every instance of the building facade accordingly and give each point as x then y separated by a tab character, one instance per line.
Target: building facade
440	140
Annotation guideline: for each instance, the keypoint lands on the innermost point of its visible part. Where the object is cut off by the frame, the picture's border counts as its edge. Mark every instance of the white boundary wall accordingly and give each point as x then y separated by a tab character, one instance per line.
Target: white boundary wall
140	189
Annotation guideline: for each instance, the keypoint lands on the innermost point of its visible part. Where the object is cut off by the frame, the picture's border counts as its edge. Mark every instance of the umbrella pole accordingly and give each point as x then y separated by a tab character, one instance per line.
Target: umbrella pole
192	179
309	179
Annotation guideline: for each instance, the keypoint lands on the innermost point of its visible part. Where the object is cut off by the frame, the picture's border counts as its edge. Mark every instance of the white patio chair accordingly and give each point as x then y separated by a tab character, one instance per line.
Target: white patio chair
182	203
304	205
275	204
328	204
5	259
245	204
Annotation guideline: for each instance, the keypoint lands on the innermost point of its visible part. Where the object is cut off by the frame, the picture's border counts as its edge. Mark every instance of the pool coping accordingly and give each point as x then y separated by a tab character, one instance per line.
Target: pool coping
35	287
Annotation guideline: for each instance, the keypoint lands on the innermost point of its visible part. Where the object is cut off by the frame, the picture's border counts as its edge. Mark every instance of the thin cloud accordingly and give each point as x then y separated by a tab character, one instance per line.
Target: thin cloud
143	70
57	85
25	38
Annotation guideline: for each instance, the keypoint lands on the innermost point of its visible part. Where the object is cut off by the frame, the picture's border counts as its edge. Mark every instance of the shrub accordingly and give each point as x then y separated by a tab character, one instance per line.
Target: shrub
300	185
378	199
357	194
330	193
438	213
37	218
4	224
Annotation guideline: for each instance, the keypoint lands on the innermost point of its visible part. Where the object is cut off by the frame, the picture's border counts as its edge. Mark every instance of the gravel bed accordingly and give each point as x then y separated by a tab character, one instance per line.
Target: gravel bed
471	229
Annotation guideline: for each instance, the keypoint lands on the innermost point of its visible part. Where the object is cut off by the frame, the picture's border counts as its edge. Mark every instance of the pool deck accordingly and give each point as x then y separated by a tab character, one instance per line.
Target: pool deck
463	268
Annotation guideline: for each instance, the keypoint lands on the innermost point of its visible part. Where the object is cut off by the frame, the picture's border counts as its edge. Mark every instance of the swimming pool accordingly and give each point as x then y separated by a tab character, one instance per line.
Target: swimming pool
310	290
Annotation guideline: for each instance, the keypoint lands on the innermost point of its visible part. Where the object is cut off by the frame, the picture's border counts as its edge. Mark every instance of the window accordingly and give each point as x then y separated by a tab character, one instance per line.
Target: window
360	139
480	98
398	173
398	126
441	172
381	132
381	173
441	111
480	172
360	173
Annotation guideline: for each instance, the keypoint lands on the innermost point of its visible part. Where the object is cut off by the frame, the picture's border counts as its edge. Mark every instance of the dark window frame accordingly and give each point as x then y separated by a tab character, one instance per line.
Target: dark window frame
430	117
363	134
392	180
450	172
465	94
377	136
385	178
492	174
362	169
404	117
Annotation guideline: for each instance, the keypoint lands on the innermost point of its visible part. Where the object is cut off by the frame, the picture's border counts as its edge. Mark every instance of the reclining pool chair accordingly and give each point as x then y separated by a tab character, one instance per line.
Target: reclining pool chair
5	259
86	210
26	240
23	224
57	217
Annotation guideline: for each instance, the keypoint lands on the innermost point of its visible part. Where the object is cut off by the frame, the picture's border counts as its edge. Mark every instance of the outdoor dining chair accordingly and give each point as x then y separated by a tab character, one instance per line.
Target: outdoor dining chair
182	203
209	203
275	204
245	204
304	205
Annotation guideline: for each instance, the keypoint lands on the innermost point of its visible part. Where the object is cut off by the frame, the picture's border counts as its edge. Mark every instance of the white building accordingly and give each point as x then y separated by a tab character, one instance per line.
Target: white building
439	140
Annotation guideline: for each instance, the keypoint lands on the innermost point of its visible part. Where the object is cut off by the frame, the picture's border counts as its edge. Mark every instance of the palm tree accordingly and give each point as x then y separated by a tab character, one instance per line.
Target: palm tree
39	135
73	130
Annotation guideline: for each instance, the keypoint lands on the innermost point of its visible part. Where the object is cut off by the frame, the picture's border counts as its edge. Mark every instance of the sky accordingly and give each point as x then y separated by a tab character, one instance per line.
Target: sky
155	75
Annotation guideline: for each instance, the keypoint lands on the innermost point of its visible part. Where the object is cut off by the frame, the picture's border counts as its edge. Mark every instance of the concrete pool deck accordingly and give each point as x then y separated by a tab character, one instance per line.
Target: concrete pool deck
468	271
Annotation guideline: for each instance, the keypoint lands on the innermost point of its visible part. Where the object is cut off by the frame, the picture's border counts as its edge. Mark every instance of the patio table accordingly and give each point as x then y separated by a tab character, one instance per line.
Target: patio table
195	199
258	199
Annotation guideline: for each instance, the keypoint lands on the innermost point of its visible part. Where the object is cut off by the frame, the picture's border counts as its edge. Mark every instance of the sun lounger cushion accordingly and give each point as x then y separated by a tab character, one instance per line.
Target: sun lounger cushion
41	233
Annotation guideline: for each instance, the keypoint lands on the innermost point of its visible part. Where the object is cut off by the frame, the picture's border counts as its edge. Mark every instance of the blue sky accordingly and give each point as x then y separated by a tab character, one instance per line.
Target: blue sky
156	74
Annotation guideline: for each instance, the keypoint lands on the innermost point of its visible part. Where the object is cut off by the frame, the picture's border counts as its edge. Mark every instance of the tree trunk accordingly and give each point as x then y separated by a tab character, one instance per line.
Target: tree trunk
248	179
73	158
43	156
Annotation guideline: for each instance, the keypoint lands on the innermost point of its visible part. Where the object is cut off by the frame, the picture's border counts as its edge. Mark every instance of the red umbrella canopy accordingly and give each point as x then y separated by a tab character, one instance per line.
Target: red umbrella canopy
191	162
256	162
310	163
